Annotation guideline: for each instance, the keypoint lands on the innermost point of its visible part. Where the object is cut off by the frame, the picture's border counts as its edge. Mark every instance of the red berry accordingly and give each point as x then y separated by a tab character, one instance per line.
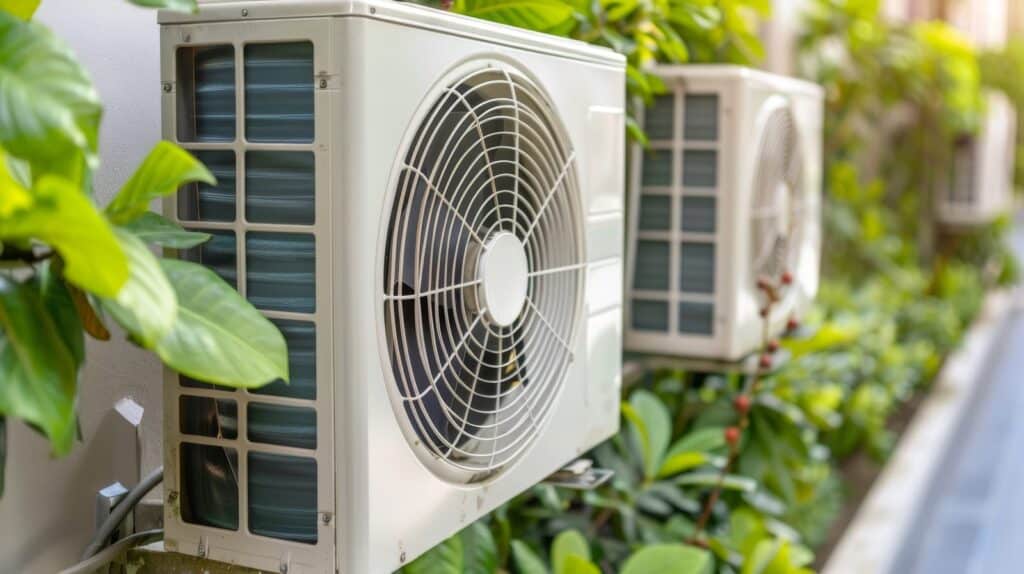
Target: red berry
732	435
793	324
765	361
773	345
787	278
742	404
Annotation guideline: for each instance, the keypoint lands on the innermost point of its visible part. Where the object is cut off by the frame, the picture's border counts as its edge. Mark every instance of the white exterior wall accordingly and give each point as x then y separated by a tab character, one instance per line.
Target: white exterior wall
47	511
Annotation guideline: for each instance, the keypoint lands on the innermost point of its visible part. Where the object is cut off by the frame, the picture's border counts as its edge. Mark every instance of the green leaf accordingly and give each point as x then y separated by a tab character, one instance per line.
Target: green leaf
525	560
23	9
38	377
479	549
57	299
51	110
566	544
577	565
445	558
165	169
730	482
668	559
680	462
3	452
158	230
66	219
219	337
539	15
146	307
175	5
706	440
658	423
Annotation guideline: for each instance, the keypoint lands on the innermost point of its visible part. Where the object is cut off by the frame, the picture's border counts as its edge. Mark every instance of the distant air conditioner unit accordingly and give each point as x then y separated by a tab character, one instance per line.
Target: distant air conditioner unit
431	209
729	190
977	187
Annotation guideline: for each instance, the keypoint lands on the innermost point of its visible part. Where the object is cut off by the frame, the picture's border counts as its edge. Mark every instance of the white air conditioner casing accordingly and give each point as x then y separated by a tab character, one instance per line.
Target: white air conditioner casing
694	229
978	186
345	88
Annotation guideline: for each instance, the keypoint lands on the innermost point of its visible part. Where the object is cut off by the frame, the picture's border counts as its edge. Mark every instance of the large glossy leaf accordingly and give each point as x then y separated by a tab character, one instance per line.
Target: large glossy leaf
156	229
14	195
445	558
525	560
219	337
38	377
176	5
480	551
539	15
668	559
57	299
146	307
566	544
51	111
66	219
165	169
23	9
658	423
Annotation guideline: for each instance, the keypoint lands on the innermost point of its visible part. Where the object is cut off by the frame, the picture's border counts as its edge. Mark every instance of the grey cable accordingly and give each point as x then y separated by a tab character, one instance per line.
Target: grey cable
108	554
121	511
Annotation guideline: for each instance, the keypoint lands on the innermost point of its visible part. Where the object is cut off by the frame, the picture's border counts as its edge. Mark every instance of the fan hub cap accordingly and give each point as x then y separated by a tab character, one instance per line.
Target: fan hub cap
503	277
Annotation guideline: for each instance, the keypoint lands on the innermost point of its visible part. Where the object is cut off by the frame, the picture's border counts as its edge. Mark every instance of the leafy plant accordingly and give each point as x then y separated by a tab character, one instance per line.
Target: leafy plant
68	267
645	31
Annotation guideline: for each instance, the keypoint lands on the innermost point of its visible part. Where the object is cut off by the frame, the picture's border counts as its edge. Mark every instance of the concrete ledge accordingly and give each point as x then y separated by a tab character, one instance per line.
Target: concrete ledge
872	543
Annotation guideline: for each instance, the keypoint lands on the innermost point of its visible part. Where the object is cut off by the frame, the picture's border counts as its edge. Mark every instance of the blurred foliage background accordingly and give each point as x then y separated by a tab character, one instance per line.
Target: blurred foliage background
894	301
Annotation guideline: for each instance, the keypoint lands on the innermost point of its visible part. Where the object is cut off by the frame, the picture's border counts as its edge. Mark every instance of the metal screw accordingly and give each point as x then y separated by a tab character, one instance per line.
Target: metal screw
374	11
323	83
284	568
167	86
172	495
245	12
326	517
401	558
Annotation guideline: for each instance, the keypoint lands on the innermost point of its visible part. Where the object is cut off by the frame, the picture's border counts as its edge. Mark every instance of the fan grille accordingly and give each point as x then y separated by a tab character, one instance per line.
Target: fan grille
488	161
778	193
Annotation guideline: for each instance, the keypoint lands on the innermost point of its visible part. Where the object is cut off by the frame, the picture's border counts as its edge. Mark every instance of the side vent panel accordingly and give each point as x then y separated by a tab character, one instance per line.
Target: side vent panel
248	462
673	281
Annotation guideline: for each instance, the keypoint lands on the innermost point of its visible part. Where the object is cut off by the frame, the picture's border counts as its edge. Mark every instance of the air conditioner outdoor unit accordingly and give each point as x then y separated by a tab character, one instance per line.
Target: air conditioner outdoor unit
978	186
728	191
431	208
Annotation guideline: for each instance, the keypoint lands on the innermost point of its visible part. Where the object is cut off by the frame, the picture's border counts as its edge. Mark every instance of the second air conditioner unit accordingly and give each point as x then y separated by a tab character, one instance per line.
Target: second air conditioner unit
431	209
728	191
977	187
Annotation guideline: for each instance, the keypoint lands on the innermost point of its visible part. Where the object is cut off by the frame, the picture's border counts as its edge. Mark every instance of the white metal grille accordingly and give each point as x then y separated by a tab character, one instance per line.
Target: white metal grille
777	193
476	375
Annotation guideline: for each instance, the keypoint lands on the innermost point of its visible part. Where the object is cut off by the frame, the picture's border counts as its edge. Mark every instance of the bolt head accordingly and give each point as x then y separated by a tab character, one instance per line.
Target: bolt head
245	12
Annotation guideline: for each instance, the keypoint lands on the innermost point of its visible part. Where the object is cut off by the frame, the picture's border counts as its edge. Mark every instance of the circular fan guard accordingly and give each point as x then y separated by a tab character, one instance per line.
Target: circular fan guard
487	180
778	193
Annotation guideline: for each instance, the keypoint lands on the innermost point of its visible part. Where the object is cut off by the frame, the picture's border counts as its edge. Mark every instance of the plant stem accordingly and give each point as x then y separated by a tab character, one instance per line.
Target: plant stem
750	387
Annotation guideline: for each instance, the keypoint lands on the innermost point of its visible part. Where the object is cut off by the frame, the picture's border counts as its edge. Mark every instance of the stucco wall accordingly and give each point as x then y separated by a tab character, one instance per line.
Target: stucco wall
46	514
